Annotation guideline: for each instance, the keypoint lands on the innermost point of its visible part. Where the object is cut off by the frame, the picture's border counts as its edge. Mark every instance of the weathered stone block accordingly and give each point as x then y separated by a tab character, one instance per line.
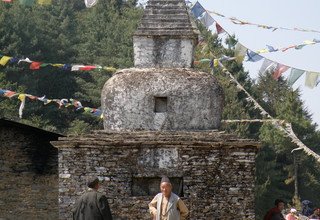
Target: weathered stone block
195	100
215	182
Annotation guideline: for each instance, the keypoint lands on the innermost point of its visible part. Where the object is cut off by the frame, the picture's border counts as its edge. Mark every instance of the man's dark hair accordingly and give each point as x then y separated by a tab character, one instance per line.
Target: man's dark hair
277	201
92	183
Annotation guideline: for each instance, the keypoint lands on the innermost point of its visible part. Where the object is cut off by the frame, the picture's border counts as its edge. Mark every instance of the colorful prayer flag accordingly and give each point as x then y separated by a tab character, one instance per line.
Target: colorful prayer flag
205	60
206	20
308	42
271	48
253	57
267	65
26	2
4	60
9	94
215	62
44	2
219	29
25	60
197	10
87	68
35	65
311	79
240	52
57	64
295	74
76	67
263	51
279	70
22	98
90	3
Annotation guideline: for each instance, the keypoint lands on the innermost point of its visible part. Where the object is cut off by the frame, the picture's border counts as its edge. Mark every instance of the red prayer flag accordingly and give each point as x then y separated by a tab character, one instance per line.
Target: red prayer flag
279	70
32	97
86	68
9	93
35	65
287	48
219	29
7	0
196	62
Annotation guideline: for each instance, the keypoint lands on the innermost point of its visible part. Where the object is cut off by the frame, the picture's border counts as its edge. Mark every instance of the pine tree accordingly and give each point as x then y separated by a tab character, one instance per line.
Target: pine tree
274	162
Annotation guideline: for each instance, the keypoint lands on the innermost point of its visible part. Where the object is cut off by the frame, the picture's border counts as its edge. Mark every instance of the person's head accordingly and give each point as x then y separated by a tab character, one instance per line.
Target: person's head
279	203
165	186
94	183
316	211
293	211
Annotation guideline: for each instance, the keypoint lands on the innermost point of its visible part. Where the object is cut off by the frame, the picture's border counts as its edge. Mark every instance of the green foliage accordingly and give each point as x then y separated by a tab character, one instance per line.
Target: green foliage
68	33
274	162
78	127
236	106
284	103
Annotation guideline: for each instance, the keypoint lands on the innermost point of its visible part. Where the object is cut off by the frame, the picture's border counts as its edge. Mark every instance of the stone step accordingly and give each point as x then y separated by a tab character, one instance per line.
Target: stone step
148	138
166	19
162	11
167	2
159	32
164	25
166	16
164	7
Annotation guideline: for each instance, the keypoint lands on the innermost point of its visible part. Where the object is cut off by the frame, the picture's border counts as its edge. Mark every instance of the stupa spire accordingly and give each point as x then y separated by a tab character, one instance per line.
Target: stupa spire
166	36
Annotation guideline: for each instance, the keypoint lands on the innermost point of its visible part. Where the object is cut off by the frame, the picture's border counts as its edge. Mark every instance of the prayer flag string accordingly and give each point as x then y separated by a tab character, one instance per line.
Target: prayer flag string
36	65
198	10
59	102
283	126
241	52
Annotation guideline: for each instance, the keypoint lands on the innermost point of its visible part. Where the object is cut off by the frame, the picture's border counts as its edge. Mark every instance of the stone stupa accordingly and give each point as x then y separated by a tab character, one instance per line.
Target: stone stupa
162	118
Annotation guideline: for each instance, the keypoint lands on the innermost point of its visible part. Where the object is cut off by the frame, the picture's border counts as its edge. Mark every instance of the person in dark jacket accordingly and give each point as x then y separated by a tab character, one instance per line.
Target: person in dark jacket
306	207
92	205
316	214
275	212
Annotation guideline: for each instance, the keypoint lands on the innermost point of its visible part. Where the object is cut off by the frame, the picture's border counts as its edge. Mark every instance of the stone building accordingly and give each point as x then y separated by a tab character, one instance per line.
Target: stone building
28	172
162	118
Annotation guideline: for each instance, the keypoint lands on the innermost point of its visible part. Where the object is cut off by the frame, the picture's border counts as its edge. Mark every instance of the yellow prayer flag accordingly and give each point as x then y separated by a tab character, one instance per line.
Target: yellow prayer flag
111	69
262	51
4	60
239	52
47	101
311	79
22	97
215	62
308	42
57	64
44	2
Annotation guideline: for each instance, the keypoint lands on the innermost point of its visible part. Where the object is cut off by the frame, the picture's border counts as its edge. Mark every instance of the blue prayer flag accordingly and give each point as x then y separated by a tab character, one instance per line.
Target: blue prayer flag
197	10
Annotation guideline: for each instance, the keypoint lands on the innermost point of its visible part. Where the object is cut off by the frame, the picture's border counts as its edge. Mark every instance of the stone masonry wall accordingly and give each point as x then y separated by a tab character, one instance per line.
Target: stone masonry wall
217	171
28	174
162	52
194	100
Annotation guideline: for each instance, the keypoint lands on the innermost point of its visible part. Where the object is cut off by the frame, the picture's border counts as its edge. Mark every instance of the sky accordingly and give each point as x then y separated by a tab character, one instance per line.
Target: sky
285	13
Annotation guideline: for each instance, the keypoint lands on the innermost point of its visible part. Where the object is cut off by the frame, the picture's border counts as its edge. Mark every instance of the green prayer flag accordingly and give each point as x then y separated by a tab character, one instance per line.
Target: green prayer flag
295	74
27	2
